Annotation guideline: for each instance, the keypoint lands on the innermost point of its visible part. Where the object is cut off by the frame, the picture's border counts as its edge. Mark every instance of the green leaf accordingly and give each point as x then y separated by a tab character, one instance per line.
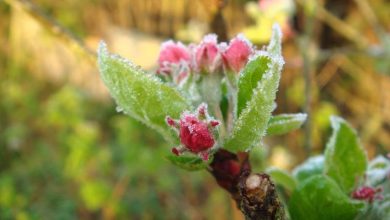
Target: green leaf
191	163
320	198
345	159
275	45
252	123
282	178
138	94
284	123
311	167
249	79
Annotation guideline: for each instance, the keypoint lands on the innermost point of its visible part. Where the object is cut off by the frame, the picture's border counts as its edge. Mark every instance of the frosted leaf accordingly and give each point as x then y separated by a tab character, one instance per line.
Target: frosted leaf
187	162
275	45
319	197
345	159
256	100
284	123
140	95
312	166
251	124
253	72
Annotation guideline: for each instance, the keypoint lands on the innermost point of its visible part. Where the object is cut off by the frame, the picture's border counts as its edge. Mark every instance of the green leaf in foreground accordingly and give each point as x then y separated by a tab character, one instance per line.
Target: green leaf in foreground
311	167
191	163
138	94
252	123
345	159
284	123
320	198
249	79
282	178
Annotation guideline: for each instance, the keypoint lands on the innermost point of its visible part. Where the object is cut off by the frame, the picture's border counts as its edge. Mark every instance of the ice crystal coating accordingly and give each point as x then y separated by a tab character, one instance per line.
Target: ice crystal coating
195	132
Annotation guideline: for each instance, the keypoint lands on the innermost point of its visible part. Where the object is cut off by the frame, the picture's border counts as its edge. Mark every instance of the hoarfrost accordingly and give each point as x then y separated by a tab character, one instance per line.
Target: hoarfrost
119	109
210	38
298	117
275	46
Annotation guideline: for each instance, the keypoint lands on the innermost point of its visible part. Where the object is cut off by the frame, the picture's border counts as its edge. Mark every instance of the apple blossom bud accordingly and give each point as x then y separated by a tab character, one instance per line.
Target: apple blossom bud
207	54
196	132
172	53
237	53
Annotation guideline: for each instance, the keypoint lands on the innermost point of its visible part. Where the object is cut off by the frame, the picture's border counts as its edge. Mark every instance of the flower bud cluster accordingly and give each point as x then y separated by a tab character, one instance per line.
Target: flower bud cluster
198	69
196	132
208	57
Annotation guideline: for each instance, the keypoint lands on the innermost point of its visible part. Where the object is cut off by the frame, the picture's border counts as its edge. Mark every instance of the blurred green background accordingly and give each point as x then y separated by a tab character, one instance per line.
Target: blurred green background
65	153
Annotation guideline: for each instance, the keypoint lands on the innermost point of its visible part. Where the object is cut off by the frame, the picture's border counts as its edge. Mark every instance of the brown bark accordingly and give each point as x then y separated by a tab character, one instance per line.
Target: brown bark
255	194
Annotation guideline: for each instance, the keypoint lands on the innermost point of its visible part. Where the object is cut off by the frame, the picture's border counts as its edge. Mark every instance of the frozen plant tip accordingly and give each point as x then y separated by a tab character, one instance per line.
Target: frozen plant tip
196	132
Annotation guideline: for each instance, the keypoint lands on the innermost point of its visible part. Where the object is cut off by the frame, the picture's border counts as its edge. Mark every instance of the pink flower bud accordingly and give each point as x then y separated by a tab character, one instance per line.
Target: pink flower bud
237	53
367	193
207	54
195	132
172	53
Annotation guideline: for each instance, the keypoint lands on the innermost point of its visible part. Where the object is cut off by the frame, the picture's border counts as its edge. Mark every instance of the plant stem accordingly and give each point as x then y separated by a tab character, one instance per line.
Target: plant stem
259	200
255	194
